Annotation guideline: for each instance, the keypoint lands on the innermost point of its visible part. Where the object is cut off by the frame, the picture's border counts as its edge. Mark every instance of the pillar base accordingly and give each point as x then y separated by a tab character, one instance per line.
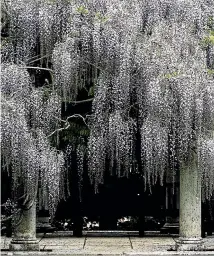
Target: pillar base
24	245
189	244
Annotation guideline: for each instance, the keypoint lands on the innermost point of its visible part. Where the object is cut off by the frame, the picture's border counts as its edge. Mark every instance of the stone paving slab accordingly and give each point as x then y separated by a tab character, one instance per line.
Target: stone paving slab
209	242
107	248
5	241
61	248
107	245
105	241
152	244
62	241
152	240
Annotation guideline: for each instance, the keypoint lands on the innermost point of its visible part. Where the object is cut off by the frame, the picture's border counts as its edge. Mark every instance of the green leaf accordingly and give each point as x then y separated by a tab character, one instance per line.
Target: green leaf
82	10
210	22
171	75
208	40
91	91
51	1
210	71
101	17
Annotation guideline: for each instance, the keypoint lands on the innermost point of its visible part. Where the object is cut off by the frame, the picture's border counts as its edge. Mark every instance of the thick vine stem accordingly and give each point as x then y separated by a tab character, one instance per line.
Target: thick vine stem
67	123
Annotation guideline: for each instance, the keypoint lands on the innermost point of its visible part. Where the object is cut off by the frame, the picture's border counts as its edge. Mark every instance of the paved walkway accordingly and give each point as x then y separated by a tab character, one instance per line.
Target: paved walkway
106	246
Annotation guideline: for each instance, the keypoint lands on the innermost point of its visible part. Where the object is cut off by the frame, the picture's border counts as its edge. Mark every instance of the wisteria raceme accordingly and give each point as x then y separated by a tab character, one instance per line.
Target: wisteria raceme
51	166
15	138
80	167
54	21
15	81
66	63
120	143
46	113
23	28
206	160
97	158
154	150
26	150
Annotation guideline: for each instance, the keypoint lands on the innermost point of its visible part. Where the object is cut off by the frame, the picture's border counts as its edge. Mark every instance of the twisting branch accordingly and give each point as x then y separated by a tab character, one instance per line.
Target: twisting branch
59	130
76	115
67	123
81	101
40	58
29	67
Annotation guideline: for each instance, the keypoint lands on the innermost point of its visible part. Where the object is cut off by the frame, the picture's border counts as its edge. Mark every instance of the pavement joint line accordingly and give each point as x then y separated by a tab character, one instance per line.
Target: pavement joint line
42	238
4	241
84	242
131	243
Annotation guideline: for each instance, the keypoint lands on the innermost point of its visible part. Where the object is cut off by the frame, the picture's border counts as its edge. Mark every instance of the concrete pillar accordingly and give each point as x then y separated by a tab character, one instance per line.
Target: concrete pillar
190	209
25	232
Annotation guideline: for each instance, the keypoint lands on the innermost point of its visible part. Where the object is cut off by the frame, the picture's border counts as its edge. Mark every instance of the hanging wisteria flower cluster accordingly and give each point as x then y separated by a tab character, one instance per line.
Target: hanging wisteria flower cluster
207	166
26	121
152	63
161	62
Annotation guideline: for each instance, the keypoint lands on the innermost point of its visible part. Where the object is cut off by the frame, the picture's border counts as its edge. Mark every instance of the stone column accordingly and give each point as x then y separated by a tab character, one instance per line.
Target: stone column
190	209
25	232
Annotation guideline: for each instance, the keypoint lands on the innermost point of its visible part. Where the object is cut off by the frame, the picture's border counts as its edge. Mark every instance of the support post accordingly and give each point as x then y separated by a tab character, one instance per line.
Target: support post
25	232
190	209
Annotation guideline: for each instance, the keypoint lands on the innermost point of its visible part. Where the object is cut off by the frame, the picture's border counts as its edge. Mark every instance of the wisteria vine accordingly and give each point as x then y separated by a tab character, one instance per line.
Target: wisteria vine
151	63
